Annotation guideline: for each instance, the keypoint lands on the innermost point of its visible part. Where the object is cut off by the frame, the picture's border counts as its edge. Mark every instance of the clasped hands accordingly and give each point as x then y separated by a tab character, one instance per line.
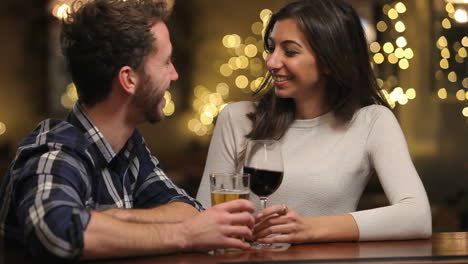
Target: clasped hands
222	226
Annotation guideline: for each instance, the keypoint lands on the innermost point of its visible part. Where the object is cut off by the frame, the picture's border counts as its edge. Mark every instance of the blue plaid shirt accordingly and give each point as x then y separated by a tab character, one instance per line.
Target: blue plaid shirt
62	171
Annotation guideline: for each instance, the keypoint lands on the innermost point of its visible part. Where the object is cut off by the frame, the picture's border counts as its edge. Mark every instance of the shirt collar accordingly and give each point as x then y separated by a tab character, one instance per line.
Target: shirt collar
79	118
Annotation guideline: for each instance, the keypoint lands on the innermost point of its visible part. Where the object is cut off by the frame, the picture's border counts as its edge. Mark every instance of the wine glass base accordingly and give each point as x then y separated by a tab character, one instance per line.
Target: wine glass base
273	246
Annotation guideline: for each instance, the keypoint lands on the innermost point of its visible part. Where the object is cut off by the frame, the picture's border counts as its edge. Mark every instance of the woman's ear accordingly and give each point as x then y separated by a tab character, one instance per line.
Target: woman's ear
128	79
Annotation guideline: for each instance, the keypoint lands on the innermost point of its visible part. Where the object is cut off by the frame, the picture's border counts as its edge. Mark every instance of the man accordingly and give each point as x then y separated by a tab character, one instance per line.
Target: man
88	187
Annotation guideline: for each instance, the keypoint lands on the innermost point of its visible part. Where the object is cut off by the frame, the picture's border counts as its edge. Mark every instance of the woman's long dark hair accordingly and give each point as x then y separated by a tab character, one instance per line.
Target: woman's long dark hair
334	31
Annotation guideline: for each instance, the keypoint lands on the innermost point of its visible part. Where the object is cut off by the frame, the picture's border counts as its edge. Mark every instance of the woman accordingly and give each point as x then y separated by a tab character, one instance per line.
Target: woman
335	130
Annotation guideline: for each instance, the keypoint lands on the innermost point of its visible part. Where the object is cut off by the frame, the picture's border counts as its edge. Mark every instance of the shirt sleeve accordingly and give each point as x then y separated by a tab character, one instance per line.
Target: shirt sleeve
50	208
408	216
222	151
154	188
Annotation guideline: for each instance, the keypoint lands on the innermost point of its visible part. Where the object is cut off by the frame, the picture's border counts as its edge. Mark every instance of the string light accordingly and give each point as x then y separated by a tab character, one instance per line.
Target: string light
242	69
2	128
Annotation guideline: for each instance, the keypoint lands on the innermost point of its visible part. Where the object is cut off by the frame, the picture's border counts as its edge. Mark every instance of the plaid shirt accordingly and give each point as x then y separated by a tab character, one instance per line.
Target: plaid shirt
62	171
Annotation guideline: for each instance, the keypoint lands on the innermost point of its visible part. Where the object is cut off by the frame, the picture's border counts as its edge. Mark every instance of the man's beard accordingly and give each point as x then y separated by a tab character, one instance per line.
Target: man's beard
149	101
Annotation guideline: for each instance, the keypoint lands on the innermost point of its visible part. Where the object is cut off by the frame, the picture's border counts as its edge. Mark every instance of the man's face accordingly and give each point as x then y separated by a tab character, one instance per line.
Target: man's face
159	72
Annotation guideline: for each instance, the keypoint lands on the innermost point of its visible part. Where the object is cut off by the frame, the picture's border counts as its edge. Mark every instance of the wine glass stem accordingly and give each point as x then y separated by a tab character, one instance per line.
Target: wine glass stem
263	202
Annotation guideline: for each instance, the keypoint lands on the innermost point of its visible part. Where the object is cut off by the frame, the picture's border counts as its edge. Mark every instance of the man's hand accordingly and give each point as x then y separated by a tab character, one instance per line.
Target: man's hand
221	226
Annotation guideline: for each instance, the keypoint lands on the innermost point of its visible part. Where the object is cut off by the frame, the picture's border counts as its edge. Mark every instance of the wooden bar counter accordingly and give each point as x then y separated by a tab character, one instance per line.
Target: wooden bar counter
441	248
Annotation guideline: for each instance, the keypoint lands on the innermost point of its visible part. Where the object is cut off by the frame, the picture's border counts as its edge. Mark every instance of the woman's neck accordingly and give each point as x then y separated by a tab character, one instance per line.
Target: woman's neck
311	105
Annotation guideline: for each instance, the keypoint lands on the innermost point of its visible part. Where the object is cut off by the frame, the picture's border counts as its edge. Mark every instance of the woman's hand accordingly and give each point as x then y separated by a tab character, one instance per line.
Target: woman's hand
284	221
293	228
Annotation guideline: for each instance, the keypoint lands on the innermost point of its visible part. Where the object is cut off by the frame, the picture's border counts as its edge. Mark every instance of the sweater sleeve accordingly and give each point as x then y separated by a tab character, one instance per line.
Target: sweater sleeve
222	151
408	216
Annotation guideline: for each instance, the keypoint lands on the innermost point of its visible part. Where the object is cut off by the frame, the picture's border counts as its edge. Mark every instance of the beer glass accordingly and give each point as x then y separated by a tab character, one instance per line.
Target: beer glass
226	187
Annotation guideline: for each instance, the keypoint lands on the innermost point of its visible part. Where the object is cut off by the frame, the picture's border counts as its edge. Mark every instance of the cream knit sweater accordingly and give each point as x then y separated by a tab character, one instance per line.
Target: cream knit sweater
327	166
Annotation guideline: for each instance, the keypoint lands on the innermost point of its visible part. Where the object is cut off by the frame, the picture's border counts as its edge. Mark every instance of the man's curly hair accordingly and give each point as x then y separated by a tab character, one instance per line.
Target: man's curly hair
99	37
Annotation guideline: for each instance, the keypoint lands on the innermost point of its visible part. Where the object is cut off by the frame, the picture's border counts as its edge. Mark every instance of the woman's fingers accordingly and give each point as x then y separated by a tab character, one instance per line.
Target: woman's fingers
278	209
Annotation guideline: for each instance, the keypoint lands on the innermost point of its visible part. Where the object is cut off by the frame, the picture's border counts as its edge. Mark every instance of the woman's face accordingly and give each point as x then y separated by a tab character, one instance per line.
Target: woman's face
292	62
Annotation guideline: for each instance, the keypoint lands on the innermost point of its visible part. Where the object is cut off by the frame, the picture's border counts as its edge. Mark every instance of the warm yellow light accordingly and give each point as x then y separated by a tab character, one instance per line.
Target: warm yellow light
210	110
197	104
460	95
194	125
169	108
233	63
465	111
382	26
466	95
445	53
202	131
401	42
200	91
222	89
397	95
257	28
386	8
380	83
242	81
251	50
400	53
374	47
388	47
398	90
239	50
442	93
402	99
225	70
400	26
403	64
206	118
449	8
264	55
392	58
442	42
464	41
465	83
392	14
231	41
409	53
61	11
255	84
221	107
446	23
462	52
452	76
167	96
71	92
265	15
461	16
242	62
411	93
444	64
215	98
2	128
378	58
400	7
66	102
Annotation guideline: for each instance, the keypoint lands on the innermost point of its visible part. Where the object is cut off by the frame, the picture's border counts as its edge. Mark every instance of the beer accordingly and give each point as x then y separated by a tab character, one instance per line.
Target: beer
221	196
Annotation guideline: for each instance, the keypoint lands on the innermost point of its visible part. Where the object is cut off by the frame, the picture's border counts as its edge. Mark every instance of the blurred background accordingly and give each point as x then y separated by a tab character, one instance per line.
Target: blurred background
418	50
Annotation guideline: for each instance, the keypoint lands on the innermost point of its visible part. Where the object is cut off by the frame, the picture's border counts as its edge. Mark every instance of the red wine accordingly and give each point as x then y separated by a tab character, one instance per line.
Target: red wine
264	182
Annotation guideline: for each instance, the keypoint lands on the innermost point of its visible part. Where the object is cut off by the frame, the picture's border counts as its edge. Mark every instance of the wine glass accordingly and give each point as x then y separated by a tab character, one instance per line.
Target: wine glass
264	162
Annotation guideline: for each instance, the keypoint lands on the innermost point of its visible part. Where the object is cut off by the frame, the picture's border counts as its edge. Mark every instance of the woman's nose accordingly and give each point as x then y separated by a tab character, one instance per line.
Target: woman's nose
273	61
